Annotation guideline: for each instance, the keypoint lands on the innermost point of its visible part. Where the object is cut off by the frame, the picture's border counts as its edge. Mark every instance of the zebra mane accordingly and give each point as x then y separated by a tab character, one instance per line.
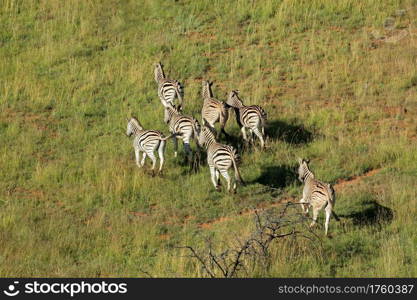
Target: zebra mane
159	72
207	92
208	133
305	169
234	100
136	123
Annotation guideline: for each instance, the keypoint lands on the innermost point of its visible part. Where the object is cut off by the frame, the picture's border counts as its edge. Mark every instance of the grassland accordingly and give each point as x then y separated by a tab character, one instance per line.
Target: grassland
337	81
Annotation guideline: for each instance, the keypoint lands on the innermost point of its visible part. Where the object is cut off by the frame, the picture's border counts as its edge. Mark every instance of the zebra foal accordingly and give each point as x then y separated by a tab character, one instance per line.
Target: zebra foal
213	110
168	89
316	194
220	158
146	141
251	117
184	127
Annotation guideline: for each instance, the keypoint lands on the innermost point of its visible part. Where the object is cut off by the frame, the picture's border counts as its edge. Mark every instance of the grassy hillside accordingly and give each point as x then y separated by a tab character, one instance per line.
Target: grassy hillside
337	78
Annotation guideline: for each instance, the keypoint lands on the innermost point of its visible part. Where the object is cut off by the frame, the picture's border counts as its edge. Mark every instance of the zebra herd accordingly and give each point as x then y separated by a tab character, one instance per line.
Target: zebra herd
220	157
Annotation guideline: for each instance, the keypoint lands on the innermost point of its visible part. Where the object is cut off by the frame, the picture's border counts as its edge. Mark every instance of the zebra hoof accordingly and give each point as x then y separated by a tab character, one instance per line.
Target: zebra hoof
218	188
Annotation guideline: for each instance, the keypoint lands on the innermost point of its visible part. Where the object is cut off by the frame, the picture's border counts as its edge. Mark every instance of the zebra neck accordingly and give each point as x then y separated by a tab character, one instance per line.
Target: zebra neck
136	131
209	142
308	176
171	114
236	103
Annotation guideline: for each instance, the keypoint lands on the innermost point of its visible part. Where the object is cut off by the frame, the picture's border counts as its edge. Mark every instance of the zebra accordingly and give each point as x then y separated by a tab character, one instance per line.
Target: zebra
186	127
251	117
316	194
213	110
168	89
219	158
146	141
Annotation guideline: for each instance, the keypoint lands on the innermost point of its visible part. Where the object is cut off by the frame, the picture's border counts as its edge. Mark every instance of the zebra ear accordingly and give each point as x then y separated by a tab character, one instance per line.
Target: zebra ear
127	119
307	161
300	161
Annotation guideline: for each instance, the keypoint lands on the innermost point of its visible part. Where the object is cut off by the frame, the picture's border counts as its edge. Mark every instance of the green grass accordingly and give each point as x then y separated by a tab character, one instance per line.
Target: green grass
72	201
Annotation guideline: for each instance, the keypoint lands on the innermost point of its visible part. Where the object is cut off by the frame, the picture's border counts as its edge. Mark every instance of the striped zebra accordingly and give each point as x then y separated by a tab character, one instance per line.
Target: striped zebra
185	127
316	194
219	158
168	89
213	110
146	141
251	117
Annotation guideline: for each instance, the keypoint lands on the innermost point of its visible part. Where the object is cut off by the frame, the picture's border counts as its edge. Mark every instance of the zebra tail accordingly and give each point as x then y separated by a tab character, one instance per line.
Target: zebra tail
238	177
170	136
333	200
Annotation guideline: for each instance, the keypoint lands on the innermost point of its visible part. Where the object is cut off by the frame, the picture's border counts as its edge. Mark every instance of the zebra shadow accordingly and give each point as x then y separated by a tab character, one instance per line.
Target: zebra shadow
373	213
290	133
198	160
277	177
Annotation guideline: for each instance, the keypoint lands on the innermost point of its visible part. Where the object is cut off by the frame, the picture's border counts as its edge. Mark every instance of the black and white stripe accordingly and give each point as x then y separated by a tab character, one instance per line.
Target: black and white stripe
220	158
183	127
146	141
213	110
316	194
168	89
251	117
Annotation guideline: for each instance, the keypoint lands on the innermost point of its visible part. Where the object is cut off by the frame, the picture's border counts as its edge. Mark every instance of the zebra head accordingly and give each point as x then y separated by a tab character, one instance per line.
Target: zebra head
233	99
206	91
133	126
206	136
303	169
158	72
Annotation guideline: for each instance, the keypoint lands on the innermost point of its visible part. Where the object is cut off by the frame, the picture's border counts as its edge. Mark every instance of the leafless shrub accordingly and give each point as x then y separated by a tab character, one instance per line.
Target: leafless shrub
238	257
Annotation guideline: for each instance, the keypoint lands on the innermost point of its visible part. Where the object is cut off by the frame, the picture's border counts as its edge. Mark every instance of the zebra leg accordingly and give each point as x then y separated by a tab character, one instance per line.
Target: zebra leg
137	156
222	125
143	159
260	136
187	149
304	206
213	178
315	214
174	139
251	136
218	178
243	130
161	150
153	158
227	177
224	132
328	210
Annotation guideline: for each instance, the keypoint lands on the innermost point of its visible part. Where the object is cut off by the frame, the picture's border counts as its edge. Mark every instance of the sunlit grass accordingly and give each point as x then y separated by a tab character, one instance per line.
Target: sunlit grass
72	201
